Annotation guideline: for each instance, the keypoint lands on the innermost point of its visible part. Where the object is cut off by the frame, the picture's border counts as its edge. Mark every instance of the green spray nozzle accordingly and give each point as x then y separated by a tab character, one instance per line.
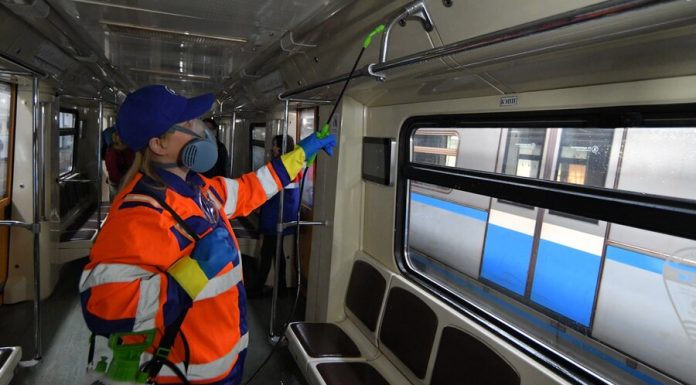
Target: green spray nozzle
368	39
323	133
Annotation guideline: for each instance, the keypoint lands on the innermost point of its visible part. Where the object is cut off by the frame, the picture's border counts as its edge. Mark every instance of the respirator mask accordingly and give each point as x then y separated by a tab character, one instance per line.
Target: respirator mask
199	154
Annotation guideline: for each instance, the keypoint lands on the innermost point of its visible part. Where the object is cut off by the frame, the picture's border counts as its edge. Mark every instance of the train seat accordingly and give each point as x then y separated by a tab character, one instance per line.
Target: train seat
464	359
406	338
9	358
418	339
353	338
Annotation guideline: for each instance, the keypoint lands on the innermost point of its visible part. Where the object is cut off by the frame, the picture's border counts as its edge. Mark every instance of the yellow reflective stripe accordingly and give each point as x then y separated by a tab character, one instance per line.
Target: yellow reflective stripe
189	275
232	192
267	182
142	198
200	372
294	161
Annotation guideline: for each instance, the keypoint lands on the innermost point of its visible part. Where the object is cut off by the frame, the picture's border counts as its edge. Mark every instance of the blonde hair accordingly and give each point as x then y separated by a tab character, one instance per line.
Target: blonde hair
143	163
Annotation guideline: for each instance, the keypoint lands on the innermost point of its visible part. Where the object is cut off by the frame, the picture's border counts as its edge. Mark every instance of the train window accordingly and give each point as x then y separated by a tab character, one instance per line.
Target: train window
583	157
6	127
580	280
523	150
67	132
258	145
435	146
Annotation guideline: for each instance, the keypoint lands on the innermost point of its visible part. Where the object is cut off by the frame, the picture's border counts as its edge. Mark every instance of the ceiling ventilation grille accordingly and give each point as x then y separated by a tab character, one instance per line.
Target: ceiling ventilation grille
173	36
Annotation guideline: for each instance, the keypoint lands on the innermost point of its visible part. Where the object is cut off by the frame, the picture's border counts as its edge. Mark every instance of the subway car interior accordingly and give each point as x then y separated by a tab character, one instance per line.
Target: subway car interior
511	200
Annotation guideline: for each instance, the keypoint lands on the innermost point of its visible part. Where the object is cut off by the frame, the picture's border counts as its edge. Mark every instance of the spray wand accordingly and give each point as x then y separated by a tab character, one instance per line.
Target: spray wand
323	133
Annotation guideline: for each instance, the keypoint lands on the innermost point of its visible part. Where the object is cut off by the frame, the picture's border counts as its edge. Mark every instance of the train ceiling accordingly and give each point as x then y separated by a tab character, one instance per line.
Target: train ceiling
191	46
252	51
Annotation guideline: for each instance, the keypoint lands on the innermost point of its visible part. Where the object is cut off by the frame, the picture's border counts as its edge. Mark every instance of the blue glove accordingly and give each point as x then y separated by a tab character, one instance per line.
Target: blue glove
214	251
211	254
312	144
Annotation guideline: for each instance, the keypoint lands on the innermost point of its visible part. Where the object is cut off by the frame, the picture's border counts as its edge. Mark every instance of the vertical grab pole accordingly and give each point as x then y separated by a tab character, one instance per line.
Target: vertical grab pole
231	138
36	226
100	125
279	233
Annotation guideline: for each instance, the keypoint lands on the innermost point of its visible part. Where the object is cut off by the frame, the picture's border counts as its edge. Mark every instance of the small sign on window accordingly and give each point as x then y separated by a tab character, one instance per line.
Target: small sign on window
508	101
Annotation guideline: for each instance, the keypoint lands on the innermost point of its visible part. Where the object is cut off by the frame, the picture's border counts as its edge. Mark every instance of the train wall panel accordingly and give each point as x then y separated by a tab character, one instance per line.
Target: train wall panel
565	280
448	232
506	258
644	160
635	314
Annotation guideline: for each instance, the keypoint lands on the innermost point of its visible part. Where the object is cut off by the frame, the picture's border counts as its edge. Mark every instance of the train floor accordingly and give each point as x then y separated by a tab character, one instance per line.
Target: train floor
65	337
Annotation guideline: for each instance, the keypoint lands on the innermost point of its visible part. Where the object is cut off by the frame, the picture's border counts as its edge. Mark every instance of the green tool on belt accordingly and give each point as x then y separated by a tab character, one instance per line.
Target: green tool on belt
125	365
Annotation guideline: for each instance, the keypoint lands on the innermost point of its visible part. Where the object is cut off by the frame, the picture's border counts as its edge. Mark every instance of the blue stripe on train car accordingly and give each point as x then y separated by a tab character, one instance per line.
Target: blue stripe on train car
506	258
565	280
643	261
634	259
449	206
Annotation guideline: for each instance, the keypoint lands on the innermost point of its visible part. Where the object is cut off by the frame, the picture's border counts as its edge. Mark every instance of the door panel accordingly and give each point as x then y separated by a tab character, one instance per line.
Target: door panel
8	96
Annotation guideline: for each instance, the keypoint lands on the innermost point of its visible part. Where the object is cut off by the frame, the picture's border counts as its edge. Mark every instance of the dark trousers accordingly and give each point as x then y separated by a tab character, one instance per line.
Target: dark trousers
266	260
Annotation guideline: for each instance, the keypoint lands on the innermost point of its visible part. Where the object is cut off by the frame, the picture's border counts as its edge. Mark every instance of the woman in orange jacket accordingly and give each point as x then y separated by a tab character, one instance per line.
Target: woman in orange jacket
166	255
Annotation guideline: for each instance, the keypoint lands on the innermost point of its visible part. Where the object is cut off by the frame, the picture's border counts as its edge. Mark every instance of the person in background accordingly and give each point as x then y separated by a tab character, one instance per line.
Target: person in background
118	159
267	223
166	262
222	165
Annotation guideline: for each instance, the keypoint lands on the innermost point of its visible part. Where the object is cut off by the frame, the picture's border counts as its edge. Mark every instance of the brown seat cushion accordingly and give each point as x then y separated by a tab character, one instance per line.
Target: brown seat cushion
365	293
325	340
350	373
408	329
464	360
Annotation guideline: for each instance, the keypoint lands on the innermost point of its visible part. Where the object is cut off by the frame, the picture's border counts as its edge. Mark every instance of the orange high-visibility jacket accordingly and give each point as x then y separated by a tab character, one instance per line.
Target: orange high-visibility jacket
126	286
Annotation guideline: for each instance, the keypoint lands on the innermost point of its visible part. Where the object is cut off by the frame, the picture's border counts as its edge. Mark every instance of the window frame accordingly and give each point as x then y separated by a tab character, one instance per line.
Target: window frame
645	211
255	142
68	132
6	199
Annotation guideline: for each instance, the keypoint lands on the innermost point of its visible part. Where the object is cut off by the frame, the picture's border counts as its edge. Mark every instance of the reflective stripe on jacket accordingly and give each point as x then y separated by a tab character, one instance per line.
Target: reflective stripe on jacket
126	287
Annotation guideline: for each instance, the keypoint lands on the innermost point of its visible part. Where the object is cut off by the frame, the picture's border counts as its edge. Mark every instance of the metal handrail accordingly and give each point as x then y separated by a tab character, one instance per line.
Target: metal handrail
578	16
415	9
304	223
25	225
77	180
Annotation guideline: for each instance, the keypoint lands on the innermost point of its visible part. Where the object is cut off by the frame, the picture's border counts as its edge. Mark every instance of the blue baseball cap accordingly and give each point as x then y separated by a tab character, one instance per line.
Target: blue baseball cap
152	110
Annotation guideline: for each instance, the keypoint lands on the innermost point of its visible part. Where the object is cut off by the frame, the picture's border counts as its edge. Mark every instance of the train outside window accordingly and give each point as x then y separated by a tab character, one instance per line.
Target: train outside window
584	156
5	127
524	147
258	145
67	130
611	290
436	147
